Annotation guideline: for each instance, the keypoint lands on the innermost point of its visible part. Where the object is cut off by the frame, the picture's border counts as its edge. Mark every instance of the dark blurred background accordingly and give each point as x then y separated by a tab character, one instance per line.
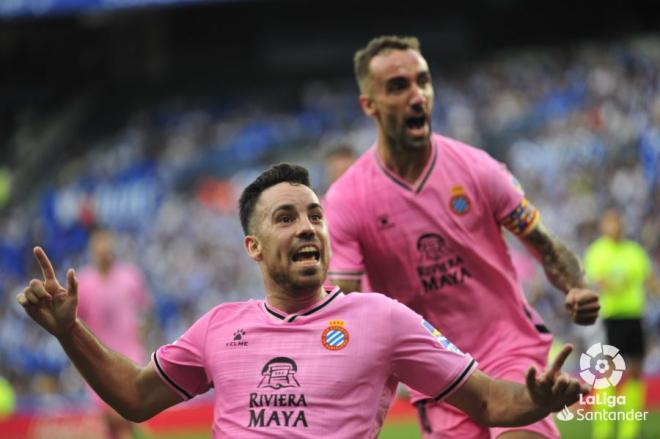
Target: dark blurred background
148	117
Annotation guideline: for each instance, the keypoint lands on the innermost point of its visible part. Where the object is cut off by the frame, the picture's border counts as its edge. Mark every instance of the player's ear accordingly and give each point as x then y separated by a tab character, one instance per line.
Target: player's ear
253	247
367	104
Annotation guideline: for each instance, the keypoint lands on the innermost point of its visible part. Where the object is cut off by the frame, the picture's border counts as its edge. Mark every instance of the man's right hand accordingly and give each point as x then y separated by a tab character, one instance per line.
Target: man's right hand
554	389
47	302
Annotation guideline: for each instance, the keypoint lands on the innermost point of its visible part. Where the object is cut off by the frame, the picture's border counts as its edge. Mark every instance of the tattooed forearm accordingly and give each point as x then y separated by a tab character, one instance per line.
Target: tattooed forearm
562	267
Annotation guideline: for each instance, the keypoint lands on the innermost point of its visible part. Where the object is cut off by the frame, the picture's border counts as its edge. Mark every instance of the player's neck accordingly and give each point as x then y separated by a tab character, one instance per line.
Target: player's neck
405	162
103	269
292	303
616	239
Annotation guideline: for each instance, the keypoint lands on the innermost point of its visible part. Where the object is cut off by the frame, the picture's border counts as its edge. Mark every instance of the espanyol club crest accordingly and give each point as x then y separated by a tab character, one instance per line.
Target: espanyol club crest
459	203
335	336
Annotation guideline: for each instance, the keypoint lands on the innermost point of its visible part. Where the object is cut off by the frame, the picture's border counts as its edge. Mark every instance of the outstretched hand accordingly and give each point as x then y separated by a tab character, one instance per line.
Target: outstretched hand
583	305
47	302
554	389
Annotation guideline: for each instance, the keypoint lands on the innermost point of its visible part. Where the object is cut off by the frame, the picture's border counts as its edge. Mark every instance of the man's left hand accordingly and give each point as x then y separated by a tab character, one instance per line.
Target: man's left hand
583	306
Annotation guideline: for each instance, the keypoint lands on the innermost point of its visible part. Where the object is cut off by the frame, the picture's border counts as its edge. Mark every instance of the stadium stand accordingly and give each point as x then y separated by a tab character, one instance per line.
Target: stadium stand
578	125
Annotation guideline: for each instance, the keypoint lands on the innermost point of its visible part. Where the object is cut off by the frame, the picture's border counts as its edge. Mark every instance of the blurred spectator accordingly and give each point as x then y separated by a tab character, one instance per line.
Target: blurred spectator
113	302
5	186
7	398
337	161
620	268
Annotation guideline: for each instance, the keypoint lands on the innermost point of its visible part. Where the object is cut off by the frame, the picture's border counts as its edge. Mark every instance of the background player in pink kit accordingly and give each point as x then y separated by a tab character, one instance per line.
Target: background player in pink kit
303	363
421	215
114	301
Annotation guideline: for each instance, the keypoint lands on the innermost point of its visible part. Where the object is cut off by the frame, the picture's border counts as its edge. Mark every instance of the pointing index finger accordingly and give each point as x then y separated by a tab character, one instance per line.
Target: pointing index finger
561	357
44	263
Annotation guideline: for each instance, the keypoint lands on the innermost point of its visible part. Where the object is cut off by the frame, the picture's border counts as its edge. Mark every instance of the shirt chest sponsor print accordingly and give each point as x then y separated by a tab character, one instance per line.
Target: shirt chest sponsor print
438	266
279	400
279	372
335	336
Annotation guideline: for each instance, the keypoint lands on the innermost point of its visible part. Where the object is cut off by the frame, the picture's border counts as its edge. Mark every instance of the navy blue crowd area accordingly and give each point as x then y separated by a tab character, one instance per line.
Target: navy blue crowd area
579	128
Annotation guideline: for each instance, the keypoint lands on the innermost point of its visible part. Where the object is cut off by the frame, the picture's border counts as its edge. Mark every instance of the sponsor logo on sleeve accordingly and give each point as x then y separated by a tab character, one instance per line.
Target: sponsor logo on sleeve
516	184
444	341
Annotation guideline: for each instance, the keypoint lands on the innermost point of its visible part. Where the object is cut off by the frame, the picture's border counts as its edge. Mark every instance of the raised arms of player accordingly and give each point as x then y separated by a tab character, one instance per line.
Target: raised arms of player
561	266
503	403
136	393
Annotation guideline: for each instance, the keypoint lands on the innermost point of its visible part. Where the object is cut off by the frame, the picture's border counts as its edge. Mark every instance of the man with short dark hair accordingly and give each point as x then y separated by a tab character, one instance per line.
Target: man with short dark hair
421	215
306	362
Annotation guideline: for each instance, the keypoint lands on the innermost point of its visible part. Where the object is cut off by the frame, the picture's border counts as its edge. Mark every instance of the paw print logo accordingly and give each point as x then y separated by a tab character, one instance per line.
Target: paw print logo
602	366
239	334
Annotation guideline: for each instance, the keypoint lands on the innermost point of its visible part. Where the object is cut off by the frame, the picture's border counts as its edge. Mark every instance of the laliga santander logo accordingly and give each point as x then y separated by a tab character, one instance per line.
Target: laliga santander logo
565	414
602	366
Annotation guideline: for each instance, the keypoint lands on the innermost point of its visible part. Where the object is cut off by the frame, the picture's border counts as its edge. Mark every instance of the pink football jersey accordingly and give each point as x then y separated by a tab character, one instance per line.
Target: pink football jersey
112	307
437	246
321	372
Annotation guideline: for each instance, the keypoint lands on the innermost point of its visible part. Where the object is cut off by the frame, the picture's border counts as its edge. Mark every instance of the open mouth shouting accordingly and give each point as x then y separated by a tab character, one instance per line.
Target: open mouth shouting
307	255
417	125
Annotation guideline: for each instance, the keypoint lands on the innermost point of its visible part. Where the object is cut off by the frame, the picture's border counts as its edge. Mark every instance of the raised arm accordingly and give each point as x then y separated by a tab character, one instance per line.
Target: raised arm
504	403
564	271
134	392
514	212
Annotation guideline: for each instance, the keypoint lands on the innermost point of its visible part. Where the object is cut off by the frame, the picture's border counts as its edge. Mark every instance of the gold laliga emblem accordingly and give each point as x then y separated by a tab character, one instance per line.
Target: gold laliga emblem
335	336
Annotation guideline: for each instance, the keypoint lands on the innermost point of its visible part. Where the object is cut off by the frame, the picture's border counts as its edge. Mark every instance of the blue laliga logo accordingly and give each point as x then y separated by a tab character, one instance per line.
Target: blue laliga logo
444	341
517	184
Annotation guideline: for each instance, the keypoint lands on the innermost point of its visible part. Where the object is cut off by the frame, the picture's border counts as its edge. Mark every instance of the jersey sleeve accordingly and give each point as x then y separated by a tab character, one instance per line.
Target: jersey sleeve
506	198
347	260
423	358
181	365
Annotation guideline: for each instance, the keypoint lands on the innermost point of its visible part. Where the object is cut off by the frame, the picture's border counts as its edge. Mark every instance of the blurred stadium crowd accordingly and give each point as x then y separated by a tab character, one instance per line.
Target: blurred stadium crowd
579	127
